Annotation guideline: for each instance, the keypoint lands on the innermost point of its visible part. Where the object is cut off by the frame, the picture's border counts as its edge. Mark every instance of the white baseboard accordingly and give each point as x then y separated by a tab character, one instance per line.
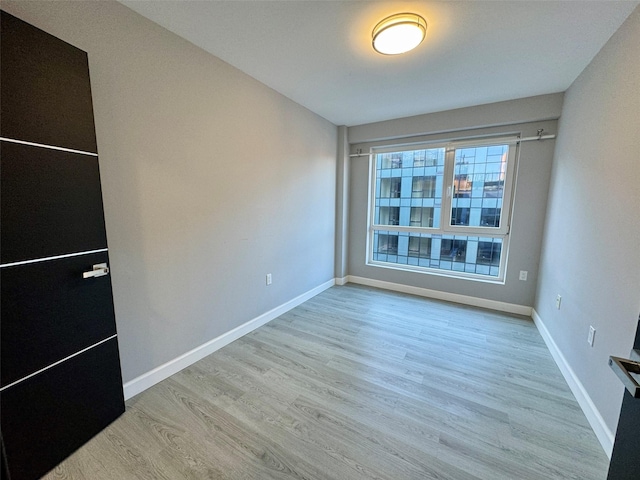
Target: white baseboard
146	380
342	281
599	427
449	297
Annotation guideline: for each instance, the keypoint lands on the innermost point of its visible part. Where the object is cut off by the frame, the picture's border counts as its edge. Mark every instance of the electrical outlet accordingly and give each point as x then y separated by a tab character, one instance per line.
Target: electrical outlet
523	275
268	279
592	333
558	301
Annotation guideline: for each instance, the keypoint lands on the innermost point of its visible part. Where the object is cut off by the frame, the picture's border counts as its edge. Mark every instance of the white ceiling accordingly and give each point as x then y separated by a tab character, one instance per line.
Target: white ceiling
318	52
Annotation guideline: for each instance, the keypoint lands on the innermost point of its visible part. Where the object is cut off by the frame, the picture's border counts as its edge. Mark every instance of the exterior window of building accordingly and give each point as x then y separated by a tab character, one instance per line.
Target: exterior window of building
443	209
421	217
390	187
391	160
423	187
453	250
490	217
388	244
459	216
489	253
389	216
419	247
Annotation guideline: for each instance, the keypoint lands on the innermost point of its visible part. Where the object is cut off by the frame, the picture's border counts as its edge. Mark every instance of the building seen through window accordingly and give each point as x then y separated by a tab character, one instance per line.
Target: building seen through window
463	232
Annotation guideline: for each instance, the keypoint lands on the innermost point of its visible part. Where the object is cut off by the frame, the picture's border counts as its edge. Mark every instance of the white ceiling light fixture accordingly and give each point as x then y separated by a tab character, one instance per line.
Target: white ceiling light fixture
399	33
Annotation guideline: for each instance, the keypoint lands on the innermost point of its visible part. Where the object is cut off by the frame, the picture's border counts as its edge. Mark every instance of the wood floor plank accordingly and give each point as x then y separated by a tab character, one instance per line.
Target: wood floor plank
358	383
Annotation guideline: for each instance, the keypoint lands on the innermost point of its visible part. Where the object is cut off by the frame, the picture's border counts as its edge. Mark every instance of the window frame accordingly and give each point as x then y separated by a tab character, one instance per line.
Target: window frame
445	230
449	189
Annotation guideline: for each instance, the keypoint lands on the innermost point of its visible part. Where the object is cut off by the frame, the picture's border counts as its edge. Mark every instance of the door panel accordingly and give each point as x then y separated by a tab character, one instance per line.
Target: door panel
60	370
46	94
59	313
51	203
625	458
48	416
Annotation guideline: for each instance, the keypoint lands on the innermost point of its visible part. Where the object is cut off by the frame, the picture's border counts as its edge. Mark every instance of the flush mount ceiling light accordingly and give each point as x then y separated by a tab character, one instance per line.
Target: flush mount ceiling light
399	33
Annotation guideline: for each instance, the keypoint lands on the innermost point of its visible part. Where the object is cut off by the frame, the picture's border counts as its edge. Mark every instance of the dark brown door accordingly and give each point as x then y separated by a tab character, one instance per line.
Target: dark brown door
625	457
60	380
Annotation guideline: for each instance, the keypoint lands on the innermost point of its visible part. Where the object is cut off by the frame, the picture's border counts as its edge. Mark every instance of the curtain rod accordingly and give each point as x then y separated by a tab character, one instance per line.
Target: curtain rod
540	136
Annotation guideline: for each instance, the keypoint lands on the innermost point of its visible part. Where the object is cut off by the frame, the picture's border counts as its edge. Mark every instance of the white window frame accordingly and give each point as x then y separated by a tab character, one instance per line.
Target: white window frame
445	229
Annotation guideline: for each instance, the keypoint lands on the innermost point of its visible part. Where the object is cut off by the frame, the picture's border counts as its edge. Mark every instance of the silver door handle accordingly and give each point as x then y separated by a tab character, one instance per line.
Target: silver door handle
99	270
628	371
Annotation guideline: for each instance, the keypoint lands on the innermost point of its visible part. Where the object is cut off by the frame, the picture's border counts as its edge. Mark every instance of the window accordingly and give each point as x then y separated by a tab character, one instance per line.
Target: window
390	187
387	244
423	187
443	208
389	216
419	247
421	217
391	160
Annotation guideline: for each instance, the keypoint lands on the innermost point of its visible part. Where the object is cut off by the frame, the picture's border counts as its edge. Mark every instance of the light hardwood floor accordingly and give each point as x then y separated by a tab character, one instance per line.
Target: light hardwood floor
358	383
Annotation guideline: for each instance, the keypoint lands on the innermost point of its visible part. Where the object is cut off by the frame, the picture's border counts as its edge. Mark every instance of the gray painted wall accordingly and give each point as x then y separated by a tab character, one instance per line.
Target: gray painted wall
591	253
534	168
210	181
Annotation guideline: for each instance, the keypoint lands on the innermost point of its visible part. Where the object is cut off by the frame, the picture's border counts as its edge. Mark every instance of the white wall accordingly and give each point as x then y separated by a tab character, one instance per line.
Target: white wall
210	180
523	116
591	249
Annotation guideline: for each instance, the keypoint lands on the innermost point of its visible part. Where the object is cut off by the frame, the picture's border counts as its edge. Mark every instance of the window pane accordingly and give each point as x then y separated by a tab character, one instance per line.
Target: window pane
455	253
479	177
409	188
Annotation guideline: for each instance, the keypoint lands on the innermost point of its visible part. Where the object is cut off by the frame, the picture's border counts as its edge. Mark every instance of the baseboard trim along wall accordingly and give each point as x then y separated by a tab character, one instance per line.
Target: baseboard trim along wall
147	380
599	427
438	295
